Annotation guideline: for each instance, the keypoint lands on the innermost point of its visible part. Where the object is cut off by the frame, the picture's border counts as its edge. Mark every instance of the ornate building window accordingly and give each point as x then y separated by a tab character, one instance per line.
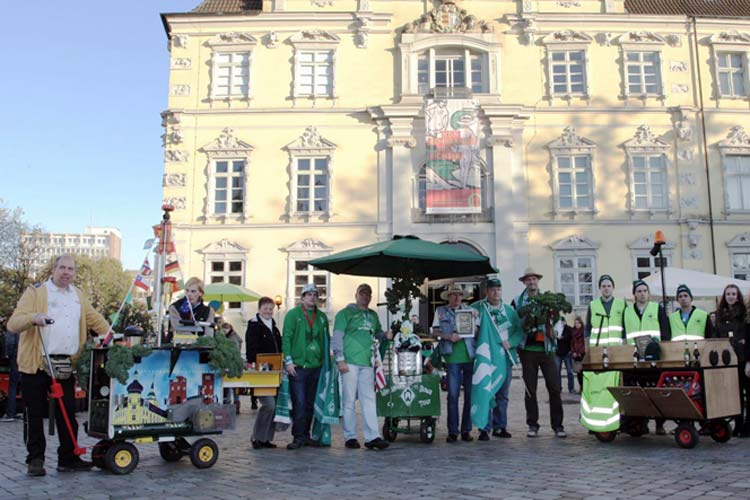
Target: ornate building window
645	264
447	48
300	272
314	64
575	269
310	166
572	177
735	160
647	168
739	256
567	63
731	55
226	183
225	262
231	56
642	64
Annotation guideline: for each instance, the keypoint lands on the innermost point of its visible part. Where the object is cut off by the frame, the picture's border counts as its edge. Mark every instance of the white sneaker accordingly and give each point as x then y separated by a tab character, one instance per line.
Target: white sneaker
561	433
532	433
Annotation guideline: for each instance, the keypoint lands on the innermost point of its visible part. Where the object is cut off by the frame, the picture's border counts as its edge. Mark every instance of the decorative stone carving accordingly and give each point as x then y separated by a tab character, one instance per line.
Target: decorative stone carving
645	141
362	32
643	135
569	137
447	18
223	246
180	41
567	36
169	117
732	36
307	245
575	242
737	137
363	6
678	66
175	136
641	37
311	141
684	131
174	180
693	236
313	36
176	155
321	3
686	155
689	202
407	141
497	140
234	37
227	142
740	241
180	90
680	88
178	202
688	179
271	39
646	243
674	40
181	63
567	4
604	39
528	31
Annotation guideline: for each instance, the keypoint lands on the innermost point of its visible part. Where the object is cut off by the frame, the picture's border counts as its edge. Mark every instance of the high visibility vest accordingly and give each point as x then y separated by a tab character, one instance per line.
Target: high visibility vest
695	328
648	324
611	326
600	411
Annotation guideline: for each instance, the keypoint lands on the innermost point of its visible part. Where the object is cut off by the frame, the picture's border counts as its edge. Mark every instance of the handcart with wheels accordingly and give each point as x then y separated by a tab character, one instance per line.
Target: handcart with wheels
691	383
410	402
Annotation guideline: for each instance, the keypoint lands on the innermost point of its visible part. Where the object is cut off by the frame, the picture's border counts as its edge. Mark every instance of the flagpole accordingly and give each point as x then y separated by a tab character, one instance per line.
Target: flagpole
106	342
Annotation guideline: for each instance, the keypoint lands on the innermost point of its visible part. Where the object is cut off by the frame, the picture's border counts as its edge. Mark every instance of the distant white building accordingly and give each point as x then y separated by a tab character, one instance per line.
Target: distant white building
94	242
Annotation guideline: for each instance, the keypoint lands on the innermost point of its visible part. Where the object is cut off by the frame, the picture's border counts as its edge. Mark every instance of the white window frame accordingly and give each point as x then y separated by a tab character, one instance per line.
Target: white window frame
730	70
641	247
226	275
231	43
315	65
570	144
311	186
309	145
737	143
314	41
231	65
642	65
225	148
645	143
737	177
450	55
305	250
728	42
739	245
229	188
642	42
575	247
224	251
567	42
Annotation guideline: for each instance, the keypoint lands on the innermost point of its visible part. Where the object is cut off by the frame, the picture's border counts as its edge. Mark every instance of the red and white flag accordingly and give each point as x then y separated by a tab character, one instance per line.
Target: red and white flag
379	372
142	283
145	268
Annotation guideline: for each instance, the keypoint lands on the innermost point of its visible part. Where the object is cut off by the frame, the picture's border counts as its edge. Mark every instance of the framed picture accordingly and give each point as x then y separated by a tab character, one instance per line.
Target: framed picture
465	324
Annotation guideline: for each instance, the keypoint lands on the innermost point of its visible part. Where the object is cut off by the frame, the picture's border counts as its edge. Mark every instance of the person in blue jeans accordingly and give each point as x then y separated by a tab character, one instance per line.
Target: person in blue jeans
564	354
508	333
11	351
459	361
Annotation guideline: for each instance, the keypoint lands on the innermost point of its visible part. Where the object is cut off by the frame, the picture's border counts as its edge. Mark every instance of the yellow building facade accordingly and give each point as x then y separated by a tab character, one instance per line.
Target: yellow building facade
296	128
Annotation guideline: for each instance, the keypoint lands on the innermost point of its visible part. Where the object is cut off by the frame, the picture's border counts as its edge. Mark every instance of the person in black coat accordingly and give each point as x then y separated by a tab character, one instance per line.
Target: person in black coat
263	337
730	318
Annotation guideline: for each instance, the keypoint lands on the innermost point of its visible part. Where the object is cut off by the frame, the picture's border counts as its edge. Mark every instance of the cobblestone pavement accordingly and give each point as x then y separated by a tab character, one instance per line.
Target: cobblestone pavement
542	468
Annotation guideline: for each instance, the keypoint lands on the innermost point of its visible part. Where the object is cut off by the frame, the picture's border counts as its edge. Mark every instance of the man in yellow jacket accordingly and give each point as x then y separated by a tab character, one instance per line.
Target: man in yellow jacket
71	317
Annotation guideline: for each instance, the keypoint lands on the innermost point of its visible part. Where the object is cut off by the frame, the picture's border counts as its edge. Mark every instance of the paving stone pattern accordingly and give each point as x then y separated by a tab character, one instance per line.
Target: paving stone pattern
543	468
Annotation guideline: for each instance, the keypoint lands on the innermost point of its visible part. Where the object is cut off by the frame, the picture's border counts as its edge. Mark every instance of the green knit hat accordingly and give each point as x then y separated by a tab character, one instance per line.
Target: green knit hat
638	283
606	277
683	288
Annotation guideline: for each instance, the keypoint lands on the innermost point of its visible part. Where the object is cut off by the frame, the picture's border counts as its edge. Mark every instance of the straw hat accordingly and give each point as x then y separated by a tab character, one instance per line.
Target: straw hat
453	289
529	272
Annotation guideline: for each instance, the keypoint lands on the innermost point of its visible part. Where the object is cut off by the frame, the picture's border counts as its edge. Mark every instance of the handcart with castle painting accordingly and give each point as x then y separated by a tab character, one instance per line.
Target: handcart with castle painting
410	396
172	392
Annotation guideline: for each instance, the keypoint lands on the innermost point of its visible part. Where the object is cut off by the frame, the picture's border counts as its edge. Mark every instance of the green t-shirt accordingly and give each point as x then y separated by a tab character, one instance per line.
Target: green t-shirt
459	354
359	327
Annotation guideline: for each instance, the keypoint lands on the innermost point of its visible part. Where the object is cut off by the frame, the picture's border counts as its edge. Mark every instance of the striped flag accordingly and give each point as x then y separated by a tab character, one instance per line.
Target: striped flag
379	372
141	283
145	268
172	266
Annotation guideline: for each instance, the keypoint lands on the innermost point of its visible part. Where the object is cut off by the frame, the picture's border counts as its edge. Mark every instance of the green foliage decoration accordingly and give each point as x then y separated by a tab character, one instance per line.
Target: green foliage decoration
224	356
406	289
120	359
83	366
542	308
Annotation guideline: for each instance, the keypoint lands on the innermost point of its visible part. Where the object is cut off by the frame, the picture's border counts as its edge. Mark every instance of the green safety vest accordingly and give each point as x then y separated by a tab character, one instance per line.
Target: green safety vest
611	326
648	324
695	328
600	411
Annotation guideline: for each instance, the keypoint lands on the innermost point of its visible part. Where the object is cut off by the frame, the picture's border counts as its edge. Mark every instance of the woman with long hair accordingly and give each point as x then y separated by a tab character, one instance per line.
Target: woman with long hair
578	347
731	322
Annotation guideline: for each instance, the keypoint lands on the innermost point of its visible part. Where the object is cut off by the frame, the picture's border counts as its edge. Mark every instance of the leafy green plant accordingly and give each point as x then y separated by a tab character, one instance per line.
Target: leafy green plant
406	289
542	309
223	356
120	359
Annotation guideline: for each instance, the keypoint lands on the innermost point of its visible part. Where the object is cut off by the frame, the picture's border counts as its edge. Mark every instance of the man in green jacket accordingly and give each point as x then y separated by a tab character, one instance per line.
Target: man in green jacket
509	334
302	344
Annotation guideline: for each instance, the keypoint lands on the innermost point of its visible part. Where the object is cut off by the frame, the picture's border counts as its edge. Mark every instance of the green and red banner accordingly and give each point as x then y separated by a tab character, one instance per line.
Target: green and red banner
454	168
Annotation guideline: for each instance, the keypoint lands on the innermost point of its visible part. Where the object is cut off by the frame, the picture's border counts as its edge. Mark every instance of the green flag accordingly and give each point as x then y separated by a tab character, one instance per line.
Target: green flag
327	402
282	417
114	318
489	371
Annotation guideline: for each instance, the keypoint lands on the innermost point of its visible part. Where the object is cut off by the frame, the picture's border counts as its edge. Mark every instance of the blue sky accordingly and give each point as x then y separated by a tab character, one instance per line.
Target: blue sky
83	84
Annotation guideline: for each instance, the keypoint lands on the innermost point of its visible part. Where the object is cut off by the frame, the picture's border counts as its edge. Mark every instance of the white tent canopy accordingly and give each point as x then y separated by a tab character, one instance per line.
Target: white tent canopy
700	283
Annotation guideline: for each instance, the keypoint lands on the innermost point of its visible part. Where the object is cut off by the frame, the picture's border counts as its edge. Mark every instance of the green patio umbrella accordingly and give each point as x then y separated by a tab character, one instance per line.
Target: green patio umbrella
227	292
406	256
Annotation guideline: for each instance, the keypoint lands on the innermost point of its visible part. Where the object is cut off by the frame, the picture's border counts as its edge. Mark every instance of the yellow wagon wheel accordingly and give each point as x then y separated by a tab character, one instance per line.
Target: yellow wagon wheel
121	458
204	453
